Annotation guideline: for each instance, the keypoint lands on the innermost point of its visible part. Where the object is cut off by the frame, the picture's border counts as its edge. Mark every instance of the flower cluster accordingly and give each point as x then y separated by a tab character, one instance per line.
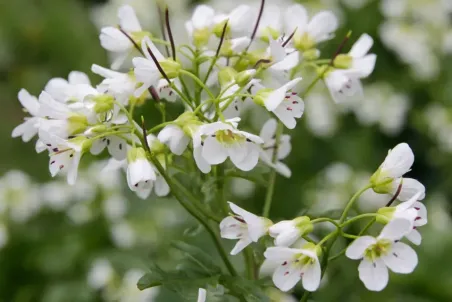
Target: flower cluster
230	63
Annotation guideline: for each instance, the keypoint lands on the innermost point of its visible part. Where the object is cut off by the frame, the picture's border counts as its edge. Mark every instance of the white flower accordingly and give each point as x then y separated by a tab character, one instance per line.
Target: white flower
281	59
117	146
388	177
238	21
112	39
287	232
29	128
120	85
214	143
73	89
385	251
295	265
344	81
284	103
64	155
309	32
165	91
202	293
244	226
200	25
411	210
100	274
146	72
267	134
140	174
175	138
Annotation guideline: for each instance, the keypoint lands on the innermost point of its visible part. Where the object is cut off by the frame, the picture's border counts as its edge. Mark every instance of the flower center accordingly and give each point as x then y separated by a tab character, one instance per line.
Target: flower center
381	248
228	137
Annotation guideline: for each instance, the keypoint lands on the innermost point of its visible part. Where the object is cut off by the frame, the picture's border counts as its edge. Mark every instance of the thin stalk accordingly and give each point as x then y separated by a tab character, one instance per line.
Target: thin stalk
250	263
198	81
162	28
170	34
272	179
356	218
212	64
351	203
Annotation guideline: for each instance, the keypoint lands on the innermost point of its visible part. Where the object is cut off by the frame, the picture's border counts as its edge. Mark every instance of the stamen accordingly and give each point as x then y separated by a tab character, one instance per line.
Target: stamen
170	35
238	218
284	263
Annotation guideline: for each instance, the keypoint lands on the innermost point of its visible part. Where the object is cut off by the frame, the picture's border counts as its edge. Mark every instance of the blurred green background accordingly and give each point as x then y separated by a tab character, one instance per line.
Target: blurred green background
48	253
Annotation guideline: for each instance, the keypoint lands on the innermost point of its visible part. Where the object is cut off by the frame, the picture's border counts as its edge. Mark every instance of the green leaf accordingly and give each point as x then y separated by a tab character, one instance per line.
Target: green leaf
198	257
251	290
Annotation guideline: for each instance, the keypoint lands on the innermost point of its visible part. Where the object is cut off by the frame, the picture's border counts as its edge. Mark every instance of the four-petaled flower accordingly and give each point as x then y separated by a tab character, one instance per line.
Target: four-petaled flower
385	251
244	226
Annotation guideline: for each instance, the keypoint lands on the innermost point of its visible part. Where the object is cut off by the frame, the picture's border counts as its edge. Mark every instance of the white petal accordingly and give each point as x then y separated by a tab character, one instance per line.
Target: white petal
288	237
410	187
275	98
268	131
278	53
287	276
297	17
362	67
202	164
237	153
421	218
396	229
374	275
285	147
57	88
398	161
240	245
161	187
202	16
104	72
357	248
128	19
146	44
202	293
213	152
250	161
401	259
117	147
283	169
268	267
73	168
280	227
289	62
231	228
285	116
414	236
98	146
78	78
29	102
113	39
280	253
362	46
322	26
27	130
311	276
409	203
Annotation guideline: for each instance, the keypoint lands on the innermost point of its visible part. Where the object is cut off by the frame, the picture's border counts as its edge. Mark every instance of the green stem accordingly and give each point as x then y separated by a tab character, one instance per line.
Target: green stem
219	174
193	212
367	226
250	263
160	126
272	179
324	219
356	218
198	81
351	202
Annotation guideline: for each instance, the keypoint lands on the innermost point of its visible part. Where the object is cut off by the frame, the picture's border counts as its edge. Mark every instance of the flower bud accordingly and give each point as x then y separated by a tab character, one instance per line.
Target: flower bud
201	37
381	184
171	68
218	29
311	54
226	76
261	96
304	224
103	103
135	154
269	32
77	123
343	61
303	42
244	77
82	141
385	214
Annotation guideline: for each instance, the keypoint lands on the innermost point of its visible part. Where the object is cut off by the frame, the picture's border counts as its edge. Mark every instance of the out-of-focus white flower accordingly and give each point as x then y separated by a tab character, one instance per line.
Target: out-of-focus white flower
29	128
202	294
3	235
129	291
123	235
100	274
267	134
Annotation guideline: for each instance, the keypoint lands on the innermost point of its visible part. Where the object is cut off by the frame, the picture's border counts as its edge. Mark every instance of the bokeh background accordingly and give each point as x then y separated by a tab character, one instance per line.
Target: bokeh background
92	242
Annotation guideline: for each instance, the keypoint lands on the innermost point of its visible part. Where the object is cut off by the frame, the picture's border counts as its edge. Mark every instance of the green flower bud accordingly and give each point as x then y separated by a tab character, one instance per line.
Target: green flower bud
343	61
262	95
171	68
303	42
226	76
77	123
380	183
304	224
201	37
218	29
268	31
244	77
311	54
312	246
385	214
135	153
103	103
138	36
324	70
